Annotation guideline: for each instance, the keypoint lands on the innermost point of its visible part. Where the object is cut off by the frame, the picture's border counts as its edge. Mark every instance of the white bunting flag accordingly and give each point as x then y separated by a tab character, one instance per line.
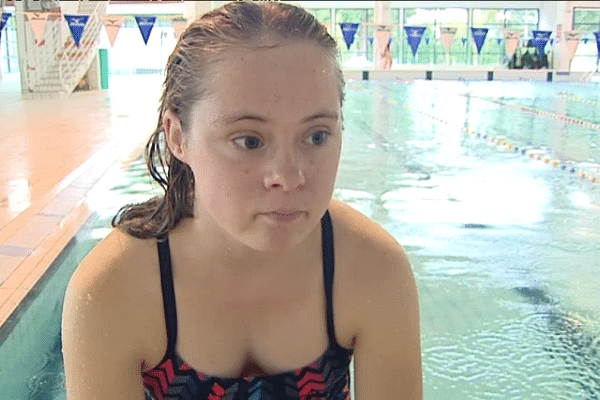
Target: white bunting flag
511	41
179	24
38	23
112	26
572	38
447	34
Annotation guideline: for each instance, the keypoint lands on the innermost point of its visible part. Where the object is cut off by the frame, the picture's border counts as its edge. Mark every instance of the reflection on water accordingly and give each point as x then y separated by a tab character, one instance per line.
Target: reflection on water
505	248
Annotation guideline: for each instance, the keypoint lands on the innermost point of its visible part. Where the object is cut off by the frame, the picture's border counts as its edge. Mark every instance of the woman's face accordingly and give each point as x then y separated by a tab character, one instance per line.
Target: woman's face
264	145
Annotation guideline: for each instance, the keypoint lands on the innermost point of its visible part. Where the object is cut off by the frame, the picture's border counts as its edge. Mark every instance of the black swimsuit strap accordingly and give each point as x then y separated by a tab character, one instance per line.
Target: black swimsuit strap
168	288
328	272
166	279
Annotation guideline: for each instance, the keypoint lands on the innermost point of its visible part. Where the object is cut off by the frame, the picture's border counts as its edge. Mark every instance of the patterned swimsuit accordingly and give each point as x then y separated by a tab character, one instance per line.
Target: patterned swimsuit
326	378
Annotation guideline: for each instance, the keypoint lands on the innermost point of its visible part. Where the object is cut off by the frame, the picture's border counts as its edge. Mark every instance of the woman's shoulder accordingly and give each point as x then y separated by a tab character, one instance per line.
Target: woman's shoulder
380	307
359	230
369	250
373	274
102	306
113	264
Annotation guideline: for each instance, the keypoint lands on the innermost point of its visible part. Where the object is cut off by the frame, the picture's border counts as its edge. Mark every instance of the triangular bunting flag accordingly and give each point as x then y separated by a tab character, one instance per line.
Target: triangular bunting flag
179	25
540	38
413	36
479	35
349	31
511	41
112	26
145	24
38	23
4	20
572	38
77	25
447	34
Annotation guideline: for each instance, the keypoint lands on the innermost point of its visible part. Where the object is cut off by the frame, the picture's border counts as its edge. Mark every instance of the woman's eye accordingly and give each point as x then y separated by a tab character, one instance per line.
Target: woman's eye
318	138
248	142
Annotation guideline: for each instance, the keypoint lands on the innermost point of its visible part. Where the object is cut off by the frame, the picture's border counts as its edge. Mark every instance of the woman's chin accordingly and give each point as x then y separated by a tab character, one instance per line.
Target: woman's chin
274	245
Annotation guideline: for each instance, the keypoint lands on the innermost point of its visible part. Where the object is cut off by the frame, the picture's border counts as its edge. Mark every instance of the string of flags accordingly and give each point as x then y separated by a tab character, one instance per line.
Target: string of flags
414	34
511	38
78	22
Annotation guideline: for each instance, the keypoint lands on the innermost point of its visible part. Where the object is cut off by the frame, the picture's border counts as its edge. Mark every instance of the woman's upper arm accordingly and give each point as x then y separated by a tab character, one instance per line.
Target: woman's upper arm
100	357
387	354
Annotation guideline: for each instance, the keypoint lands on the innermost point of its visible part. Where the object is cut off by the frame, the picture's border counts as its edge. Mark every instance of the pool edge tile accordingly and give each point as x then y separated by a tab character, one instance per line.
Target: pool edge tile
33	268
5	294
14	280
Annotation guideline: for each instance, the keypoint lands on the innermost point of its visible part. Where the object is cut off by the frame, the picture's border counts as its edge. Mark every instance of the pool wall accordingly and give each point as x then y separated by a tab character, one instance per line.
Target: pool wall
30	333
410	73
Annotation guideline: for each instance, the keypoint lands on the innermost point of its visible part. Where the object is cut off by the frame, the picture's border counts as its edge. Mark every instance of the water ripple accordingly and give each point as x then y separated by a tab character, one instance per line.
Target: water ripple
544	356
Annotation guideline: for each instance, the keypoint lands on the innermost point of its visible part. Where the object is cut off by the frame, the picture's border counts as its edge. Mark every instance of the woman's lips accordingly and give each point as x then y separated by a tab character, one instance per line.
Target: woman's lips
284	216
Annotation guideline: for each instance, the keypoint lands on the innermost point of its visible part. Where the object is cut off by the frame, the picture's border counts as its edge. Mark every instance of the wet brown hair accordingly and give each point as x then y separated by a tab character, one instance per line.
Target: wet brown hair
239	23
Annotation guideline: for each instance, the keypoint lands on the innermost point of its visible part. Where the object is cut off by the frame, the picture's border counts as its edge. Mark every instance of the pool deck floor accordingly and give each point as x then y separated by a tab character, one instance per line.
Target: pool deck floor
52	152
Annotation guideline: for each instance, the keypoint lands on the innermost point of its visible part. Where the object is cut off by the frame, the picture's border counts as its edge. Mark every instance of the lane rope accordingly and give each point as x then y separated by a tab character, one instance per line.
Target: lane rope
561	117
543	154
592	174
579	99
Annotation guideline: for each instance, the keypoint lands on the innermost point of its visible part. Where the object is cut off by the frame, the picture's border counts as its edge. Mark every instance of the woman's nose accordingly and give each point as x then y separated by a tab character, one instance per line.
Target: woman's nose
285	172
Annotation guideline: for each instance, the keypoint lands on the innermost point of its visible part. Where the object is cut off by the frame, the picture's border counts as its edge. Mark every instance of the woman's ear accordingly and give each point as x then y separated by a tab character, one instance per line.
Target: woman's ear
174	134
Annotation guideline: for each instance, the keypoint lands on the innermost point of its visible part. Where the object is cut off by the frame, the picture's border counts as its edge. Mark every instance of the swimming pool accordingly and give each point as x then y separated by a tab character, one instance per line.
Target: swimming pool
488	185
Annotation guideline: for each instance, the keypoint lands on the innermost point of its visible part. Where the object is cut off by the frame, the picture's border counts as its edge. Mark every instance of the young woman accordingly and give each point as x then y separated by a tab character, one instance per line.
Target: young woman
245	280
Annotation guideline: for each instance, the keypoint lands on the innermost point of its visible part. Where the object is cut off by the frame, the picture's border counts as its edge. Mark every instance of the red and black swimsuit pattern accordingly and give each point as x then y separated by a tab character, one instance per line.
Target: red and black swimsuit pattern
326	378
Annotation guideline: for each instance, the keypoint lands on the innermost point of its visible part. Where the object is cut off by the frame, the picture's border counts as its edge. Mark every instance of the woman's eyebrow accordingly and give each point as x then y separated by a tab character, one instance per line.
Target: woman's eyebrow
323	114
231	119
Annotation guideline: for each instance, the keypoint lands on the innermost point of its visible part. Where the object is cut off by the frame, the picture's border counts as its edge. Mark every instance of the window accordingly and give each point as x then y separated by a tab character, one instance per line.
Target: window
131	56
431	49
456	18
362	48
418	17
8	46
323	15
360	53
496	20
586	20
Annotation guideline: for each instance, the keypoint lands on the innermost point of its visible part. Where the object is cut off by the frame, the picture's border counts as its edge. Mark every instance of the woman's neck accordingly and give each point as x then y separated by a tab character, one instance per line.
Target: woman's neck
210	247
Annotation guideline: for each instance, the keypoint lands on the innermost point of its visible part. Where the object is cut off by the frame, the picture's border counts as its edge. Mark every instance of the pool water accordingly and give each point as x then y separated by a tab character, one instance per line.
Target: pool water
504	247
